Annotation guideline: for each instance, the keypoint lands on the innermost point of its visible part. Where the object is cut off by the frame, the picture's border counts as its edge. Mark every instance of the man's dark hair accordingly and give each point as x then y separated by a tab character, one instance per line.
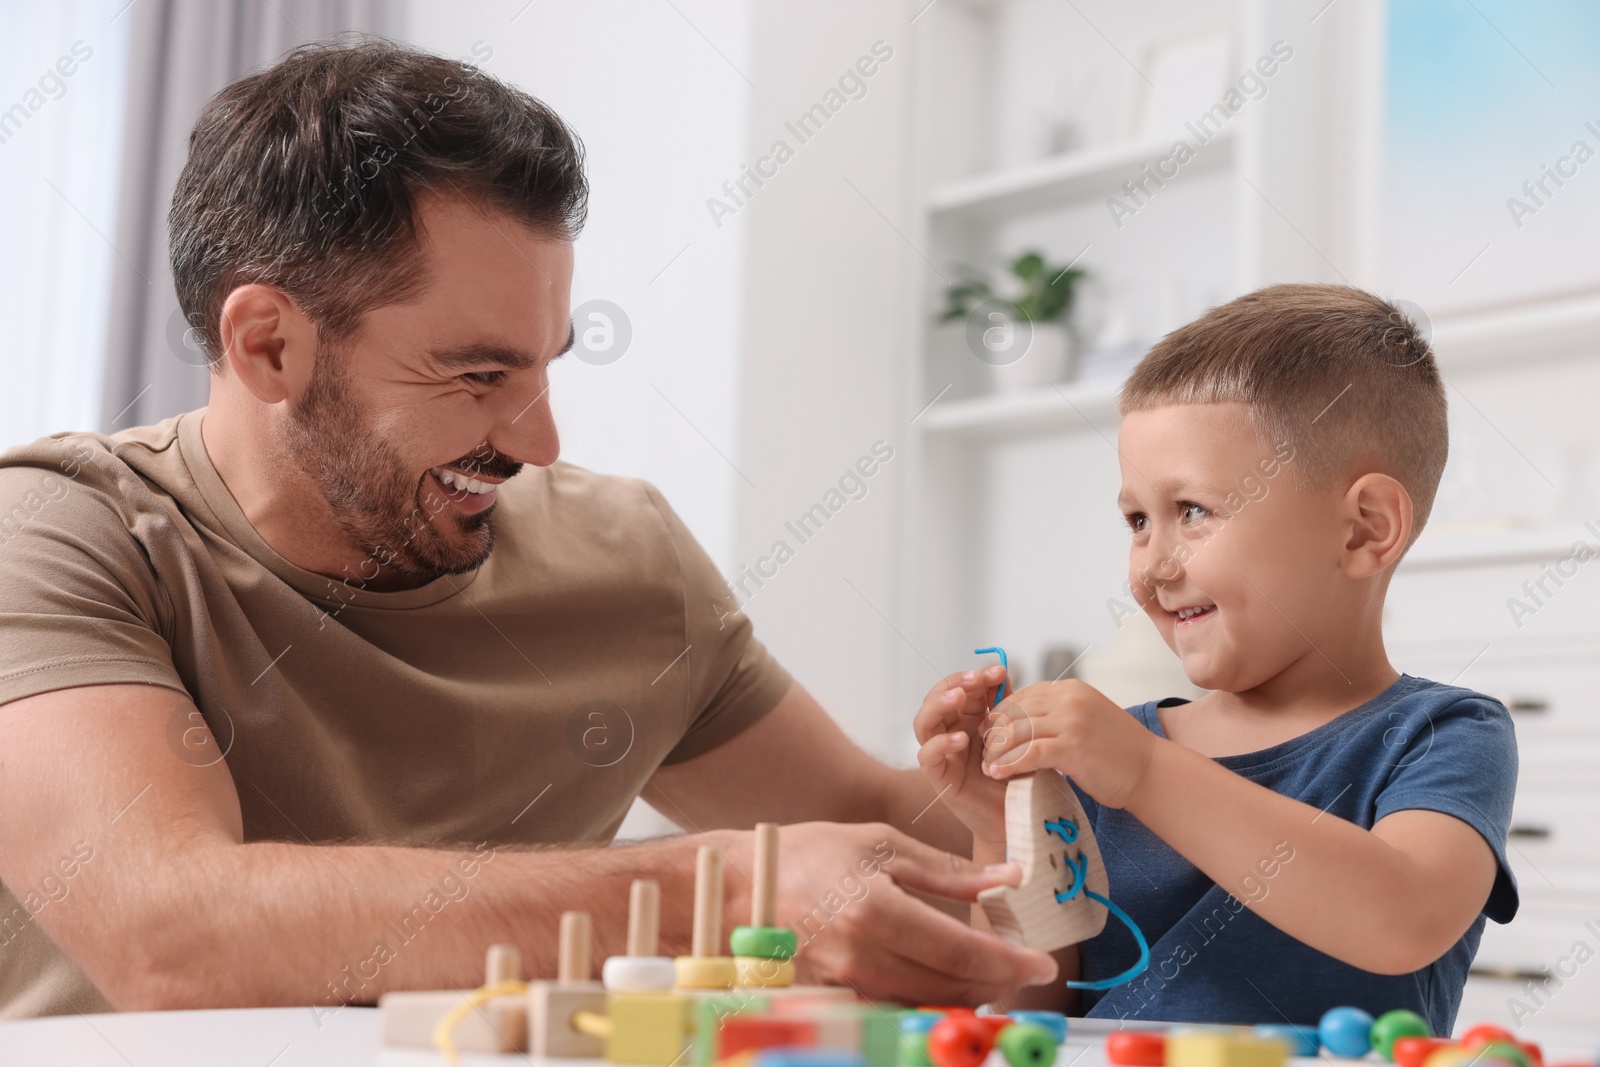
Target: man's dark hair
306	175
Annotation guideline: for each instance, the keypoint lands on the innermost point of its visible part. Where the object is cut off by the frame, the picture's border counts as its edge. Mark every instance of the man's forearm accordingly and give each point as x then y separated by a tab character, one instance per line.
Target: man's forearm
326	926
913	806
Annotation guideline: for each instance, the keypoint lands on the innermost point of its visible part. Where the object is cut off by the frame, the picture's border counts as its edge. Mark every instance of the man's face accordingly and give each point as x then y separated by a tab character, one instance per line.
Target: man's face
1220	524
408	428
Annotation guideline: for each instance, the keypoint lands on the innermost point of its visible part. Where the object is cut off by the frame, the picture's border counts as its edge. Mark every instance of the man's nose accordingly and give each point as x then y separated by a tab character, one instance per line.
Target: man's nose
529	433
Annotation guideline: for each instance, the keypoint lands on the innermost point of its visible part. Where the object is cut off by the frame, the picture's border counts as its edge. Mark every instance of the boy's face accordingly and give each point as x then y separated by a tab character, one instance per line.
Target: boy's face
1219	524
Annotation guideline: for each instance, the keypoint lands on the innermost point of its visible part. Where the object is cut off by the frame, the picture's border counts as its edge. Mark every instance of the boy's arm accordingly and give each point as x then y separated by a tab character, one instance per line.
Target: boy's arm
1389	900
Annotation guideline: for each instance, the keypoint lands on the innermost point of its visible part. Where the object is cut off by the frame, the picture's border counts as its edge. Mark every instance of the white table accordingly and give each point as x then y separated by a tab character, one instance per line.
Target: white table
293	1037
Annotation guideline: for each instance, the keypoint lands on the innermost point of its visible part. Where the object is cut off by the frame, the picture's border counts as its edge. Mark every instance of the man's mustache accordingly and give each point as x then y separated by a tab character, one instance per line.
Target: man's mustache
488	463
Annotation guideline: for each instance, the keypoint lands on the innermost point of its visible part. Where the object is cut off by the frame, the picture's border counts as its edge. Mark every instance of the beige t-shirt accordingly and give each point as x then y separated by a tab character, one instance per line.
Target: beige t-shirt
526	702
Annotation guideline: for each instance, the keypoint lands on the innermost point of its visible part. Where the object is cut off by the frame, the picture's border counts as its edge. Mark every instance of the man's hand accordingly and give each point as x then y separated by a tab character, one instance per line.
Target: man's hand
953	726
847	890
1073	728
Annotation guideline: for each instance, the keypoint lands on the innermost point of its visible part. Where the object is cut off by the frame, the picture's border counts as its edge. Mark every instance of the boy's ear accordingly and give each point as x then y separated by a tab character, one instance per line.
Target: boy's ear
1378	509
267	343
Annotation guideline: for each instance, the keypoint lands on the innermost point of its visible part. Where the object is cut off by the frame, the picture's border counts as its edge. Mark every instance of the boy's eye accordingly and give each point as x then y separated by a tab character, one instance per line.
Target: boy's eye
1135	521
1191	512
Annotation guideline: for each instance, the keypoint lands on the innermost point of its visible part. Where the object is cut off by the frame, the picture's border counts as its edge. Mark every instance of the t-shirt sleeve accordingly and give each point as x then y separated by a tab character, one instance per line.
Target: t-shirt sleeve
733	679
1460	758
79	602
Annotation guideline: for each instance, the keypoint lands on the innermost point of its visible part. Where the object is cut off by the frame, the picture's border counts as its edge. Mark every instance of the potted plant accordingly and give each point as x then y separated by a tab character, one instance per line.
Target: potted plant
1023	336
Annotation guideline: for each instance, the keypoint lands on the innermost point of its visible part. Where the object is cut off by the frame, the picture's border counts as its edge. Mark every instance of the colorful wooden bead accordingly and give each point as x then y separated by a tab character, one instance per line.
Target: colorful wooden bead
763	972
1302	1040
638	974
1346	1032
1027	1045
1505	1050
995	1023
704	972
1414	1051
1484	1033
1136	1048
767	942
1053	1021
919	1021
959	1041
1392	1025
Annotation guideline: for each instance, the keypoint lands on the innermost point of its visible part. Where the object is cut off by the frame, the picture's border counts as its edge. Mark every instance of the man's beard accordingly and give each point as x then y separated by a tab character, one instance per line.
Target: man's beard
376	502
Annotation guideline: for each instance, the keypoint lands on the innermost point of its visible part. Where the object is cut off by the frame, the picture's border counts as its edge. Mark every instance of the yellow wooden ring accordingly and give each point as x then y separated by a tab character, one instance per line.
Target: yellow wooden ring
705	972
758	972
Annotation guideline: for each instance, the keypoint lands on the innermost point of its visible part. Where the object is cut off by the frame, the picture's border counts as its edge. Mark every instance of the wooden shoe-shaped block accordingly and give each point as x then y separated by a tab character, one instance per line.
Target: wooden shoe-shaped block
1048	835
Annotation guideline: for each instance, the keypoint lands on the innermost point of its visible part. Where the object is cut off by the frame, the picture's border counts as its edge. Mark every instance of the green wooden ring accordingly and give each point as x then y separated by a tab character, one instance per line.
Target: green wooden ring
763	942
1027	1045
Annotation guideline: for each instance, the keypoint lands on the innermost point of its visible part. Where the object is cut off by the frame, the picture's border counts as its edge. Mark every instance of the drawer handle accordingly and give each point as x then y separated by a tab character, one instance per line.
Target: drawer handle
1511	974
1537	833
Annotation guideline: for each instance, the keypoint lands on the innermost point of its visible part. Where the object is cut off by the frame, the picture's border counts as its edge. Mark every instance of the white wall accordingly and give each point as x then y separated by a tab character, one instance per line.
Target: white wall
660	103
823	343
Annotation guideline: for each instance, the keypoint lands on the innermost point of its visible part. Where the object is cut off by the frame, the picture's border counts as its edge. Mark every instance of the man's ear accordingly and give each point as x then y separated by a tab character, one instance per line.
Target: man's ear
267	343
1378	510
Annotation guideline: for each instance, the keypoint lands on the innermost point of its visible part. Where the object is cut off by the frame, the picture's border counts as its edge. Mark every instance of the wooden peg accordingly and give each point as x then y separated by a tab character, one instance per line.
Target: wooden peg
764	897
573	959
504	964
644	917
707	902
1048	835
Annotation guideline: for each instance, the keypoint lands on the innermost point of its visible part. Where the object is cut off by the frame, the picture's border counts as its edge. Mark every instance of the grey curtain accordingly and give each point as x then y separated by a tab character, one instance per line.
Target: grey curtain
180	53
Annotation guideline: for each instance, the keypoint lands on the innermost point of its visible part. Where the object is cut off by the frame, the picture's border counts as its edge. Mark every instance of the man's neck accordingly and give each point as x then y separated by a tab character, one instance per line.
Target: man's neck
279	501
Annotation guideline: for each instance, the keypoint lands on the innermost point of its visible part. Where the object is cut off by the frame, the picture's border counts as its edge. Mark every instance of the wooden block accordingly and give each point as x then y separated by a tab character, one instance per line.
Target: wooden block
1048	834
551	1006
648	1027
1201	1049
408	1020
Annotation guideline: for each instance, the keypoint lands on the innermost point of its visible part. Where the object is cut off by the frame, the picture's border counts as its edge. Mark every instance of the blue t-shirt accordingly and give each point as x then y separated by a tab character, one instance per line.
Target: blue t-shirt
1419	744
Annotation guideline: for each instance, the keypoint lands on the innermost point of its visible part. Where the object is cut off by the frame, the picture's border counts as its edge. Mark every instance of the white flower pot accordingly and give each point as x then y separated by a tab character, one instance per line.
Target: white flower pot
1047	359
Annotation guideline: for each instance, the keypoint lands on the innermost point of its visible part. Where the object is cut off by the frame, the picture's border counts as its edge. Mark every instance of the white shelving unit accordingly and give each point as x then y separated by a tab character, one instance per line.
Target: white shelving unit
1009	519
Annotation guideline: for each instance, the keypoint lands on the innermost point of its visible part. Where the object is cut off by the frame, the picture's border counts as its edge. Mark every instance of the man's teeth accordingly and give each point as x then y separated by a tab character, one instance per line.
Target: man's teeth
457	480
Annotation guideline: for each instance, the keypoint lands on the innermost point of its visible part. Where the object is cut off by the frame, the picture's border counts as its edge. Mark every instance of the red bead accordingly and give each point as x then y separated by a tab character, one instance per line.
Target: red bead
1535	1055
1484	1033
959	1041
995	1023
1136	1048
945	1009
1412	1051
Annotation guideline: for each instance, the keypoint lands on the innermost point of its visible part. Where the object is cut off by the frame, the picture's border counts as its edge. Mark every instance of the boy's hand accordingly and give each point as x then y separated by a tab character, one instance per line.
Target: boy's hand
1075	729
951	726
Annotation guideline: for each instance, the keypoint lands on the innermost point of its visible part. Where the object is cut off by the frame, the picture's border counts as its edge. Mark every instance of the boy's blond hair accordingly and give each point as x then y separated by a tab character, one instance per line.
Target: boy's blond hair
1340	374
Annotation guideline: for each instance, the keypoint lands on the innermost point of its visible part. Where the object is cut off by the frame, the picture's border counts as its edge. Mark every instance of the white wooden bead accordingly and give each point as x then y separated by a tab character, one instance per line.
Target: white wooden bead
638	974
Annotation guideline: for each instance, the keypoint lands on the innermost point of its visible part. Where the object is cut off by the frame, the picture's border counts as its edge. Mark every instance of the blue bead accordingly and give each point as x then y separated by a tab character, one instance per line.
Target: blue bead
808	1057
1346	1032
918	1022
1052	1021
1302	1040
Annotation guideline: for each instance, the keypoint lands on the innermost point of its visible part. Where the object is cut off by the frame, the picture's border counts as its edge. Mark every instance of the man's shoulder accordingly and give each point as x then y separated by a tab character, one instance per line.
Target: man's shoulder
79	478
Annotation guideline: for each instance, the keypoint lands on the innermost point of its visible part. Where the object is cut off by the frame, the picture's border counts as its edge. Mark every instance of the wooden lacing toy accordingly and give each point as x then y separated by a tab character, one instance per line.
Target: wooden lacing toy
1064	895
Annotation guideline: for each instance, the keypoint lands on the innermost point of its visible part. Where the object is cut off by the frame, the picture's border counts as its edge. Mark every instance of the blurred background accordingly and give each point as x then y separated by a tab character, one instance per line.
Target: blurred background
927	239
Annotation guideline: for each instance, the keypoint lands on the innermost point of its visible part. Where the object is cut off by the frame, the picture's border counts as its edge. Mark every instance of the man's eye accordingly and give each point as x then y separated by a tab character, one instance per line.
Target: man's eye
485	377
